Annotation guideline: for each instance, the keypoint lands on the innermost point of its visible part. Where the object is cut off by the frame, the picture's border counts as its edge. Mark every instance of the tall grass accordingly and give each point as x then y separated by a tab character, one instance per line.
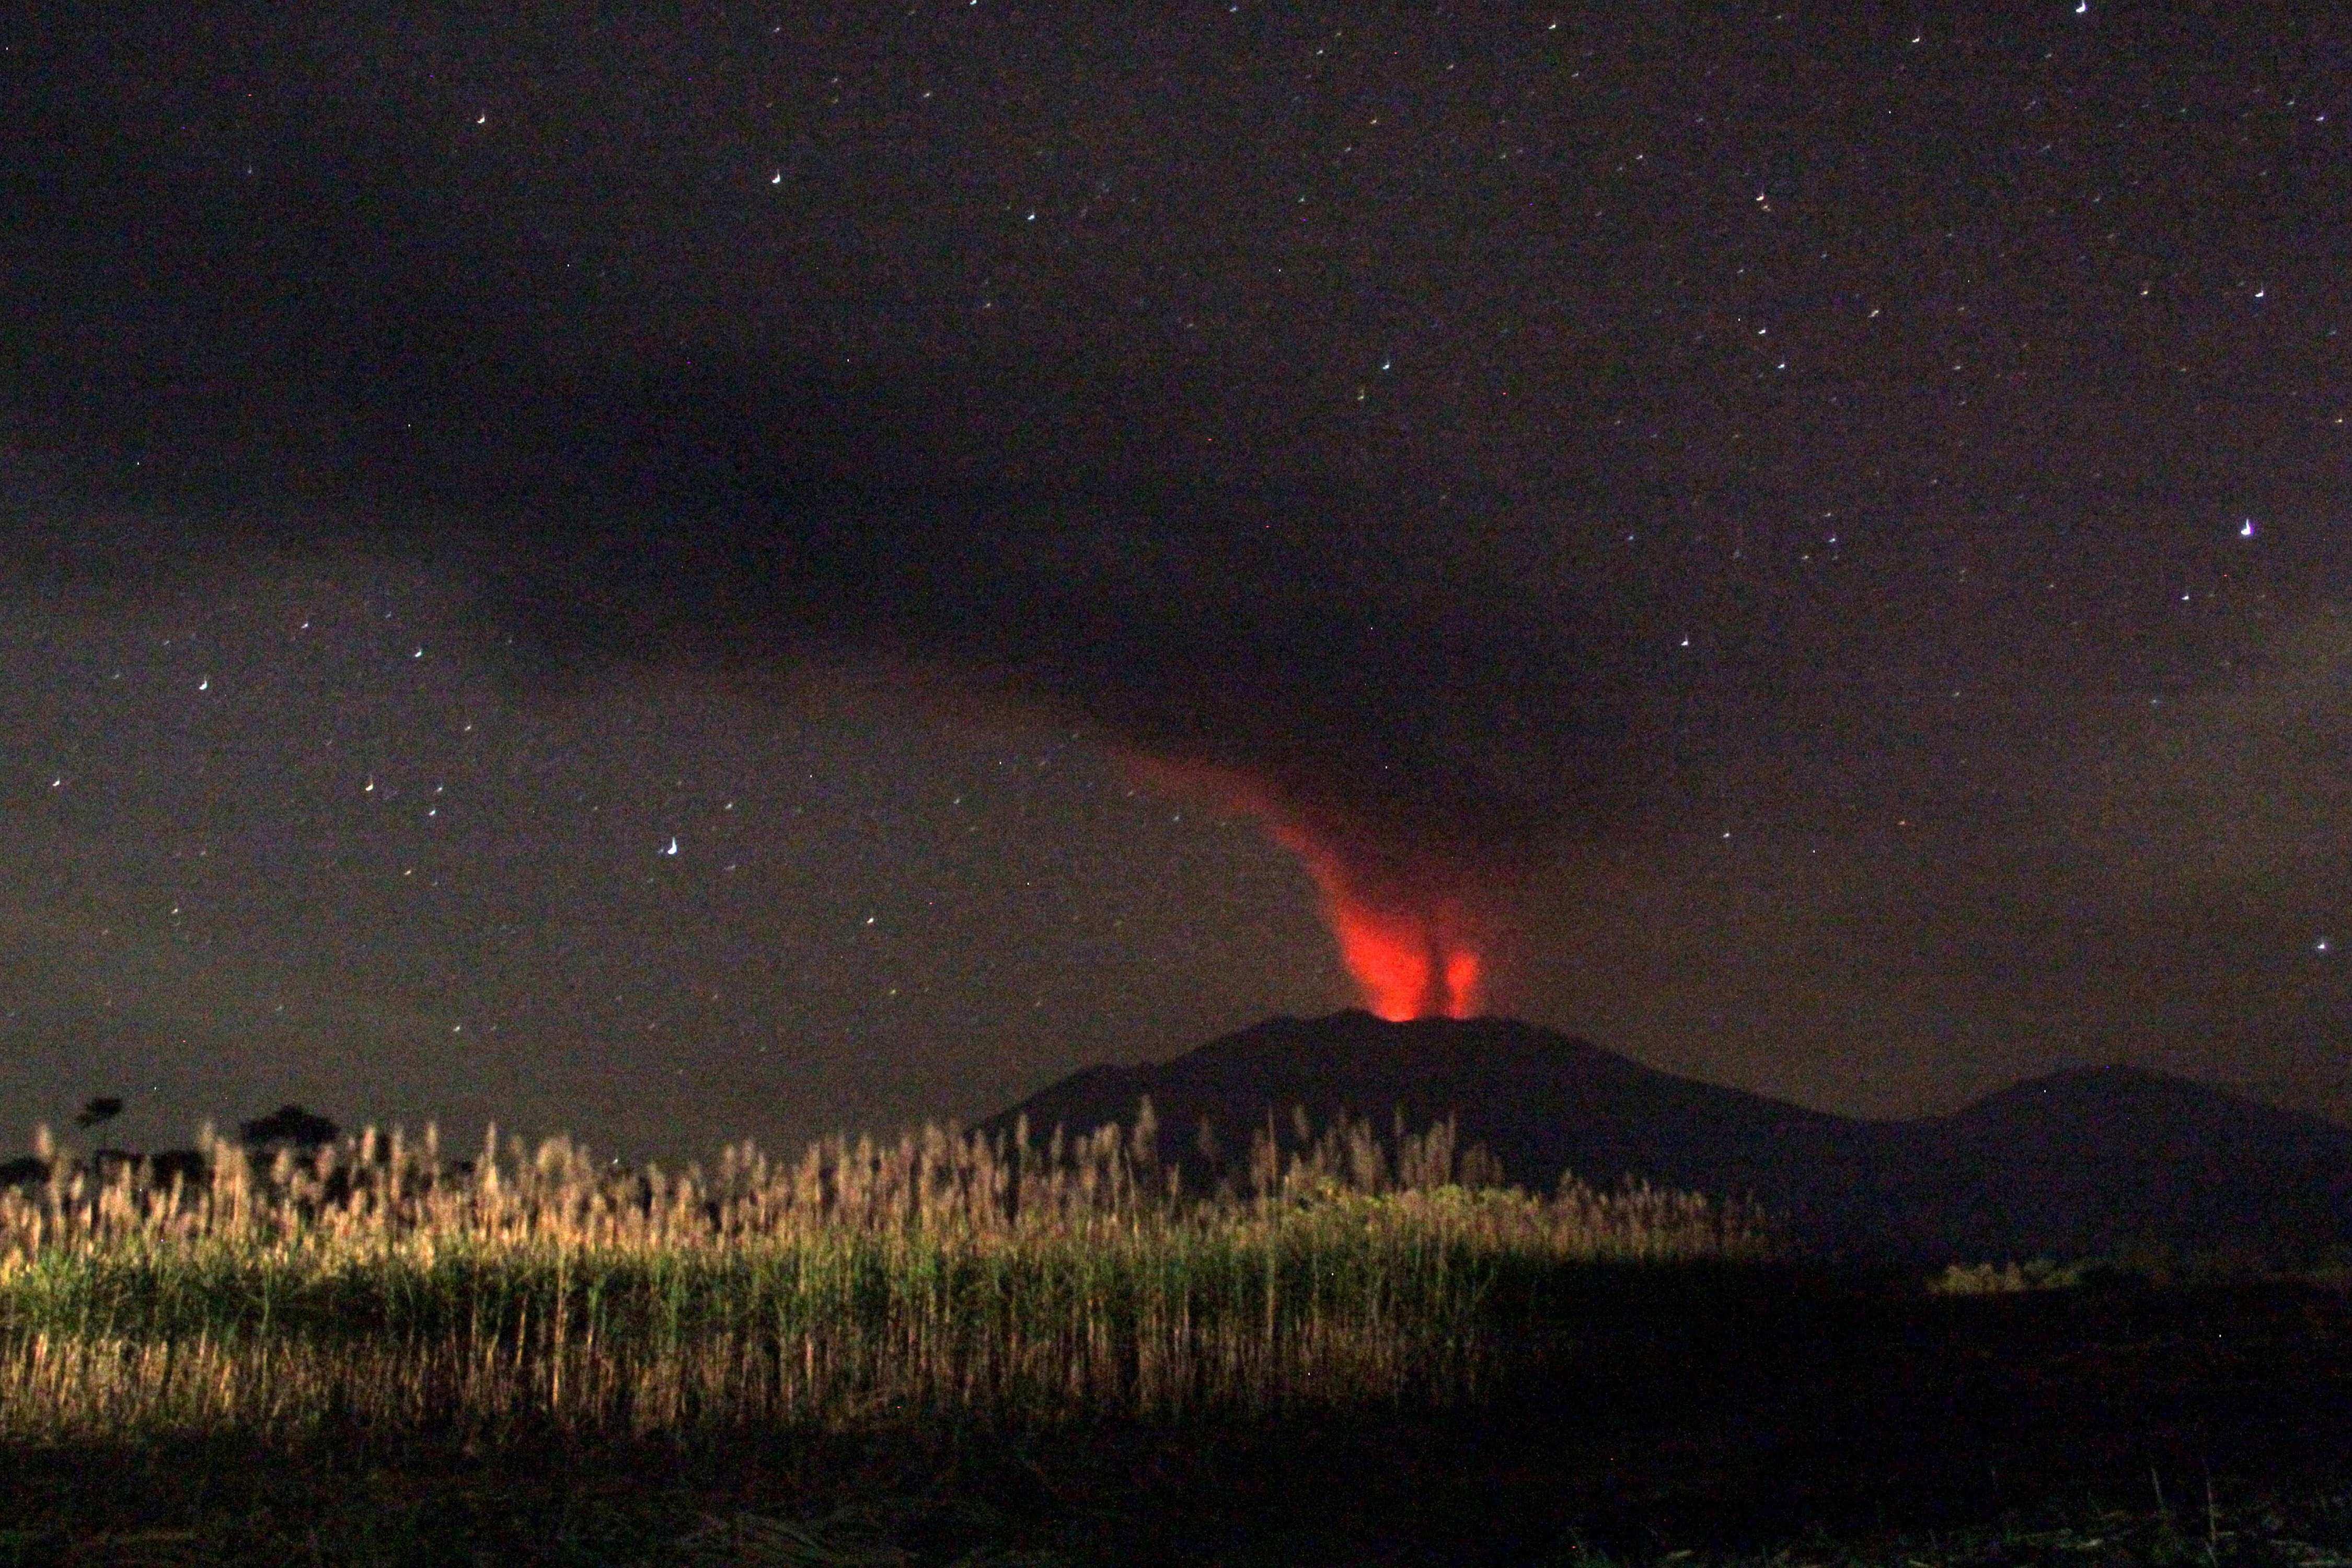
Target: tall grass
375	1284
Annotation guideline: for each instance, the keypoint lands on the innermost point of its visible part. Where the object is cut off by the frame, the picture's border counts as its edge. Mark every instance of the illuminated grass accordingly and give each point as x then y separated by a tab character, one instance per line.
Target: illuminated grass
378	1286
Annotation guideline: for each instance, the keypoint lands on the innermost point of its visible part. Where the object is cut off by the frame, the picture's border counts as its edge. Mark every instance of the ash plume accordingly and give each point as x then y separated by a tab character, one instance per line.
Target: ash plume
1414	760
1051	534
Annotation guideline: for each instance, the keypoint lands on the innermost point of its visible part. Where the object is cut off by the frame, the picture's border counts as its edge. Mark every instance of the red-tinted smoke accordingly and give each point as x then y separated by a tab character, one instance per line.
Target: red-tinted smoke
1405	919
1410	948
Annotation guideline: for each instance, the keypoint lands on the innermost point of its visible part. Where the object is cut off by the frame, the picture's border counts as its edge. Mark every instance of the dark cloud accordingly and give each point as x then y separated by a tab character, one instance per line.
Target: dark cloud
367	348
1523	454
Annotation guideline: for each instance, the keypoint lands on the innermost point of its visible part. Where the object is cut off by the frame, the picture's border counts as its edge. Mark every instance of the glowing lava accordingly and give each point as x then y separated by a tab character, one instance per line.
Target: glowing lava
1411	951
1404	921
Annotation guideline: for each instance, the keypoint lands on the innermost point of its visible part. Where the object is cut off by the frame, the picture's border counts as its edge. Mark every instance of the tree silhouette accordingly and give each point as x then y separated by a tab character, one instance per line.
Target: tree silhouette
289	1126
104	1107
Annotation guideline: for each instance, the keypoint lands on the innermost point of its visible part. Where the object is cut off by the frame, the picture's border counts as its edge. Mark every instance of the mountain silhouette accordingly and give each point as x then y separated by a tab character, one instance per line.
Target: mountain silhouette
2084	1162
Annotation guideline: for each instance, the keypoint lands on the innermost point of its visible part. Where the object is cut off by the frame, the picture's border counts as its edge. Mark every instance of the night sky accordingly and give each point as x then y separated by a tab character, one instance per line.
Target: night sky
819	565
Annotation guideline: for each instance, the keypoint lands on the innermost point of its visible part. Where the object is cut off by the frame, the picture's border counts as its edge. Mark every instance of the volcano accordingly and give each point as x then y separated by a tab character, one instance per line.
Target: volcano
2082	1162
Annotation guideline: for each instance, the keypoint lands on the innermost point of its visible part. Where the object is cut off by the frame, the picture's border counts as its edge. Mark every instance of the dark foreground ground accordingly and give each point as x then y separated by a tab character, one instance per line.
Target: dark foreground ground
1787	1420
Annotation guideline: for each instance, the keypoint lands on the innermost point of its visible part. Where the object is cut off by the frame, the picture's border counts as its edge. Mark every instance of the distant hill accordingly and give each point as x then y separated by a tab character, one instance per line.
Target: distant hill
2080	1163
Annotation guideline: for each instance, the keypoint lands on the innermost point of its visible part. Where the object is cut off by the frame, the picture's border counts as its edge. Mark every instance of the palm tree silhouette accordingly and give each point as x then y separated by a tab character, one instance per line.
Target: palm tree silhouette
105	1108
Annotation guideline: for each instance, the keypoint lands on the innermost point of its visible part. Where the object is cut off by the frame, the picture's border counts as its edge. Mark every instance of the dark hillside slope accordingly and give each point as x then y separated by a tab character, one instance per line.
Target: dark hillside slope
2081	1161
1541	1102
2098	1160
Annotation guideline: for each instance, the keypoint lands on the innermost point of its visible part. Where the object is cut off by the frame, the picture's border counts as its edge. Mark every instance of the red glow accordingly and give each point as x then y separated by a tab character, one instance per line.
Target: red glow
1403	923
1411	955
1462	971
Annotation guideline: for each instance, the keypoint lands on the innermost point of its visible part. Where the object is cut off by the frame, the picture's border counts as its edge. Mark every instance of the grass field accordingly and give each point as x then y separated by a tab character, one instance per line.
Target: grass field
945	1351
377	1286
